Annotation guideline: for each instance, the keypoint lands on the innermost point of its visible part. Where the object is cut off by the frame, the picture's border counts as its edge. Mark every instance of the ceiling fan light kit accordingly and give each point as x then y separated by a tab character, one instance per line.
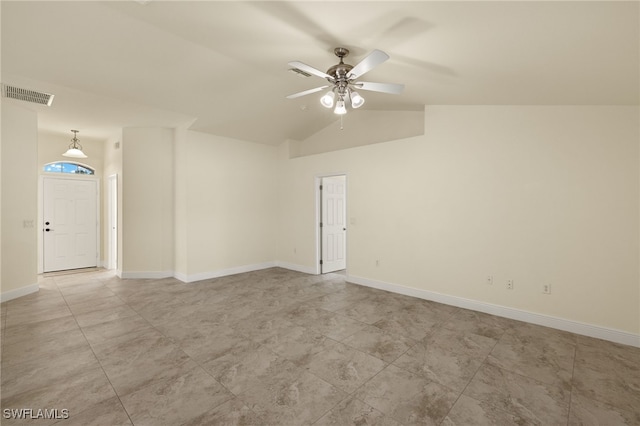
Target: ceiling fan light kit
356	100
343	78
328	98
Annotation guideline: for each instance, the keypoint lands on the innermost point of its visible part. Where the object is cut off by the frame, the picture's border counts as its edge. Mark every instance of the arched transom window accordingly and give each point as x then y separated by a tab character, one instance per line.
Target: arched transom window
66	167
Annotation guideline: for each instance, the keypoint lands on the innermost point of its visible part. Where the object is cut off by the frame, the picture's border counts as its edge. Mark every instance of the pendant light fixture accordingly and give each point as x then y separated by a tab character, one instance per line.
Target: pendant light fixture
75	149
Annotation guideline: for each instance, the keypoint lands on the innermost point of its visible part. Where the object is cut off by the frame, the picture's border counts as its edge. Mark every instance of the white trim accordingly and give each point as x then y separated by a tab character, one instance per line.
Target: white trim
223	272
67	176
181	277
144	274
298	268
577	327
111	214
214	274
19	292
318	211
98	222
318	181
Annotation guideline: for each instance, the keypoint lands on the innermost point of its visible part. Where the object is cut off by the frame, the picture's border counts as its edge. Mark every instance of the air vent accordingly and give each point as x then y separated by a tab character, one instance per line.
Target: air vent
299	72
27	95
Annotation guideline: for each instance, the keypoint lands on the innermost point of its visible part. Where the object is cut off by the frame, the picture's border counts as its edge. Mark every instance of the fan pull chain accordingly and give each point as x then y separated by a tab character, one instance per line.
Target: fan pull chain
341	126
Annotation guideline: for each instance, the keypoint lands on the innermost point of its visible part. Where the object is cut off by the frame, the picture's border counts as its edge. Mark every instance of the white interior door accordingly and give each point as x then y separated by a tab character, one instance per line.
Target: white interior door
112	222
334	227
70	224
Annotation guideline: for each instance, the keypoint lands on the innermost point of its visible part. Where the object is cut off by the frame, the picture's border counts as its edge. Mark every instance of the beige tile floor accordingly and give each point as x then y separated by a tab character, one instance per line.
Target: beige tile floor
277	347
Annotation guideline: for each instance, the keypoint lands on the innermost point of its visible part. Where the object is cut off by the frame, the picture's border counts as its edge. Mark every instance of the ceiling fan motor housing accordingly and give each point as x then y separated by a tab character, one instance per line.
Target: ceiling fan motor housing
340	71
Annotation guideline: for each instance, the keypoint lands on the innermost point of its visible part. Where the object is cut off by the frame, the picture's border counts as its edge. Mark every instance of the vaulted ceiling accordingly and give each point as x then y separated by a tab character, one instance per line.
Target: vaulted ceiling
221	66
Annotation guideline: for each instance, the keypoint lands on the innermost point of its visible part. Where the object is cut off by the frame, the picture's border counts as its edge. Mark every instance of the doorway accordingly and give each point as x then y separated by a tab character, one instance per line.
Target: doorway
70	223
332	192
112	222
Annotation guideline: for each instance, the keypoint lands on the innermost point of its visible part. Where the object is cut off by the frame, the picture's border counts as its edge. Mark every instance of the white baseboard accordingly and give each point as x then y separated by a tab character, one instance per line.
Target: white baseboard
144	274
242	269
576	327
180	276
189	278
19	292
294	267
223	272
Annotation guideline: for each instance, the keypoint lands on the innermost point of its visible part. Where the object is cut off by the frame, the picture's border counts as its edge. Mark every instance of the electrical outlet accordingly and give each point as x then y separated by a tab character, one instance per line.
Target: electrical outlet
489	279
546	288
509	284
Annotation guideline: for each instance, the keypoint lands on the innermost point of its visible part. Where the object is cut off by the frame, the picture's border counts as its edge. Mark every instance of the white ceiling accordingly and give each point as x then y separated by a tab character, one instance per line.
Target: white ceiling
221	66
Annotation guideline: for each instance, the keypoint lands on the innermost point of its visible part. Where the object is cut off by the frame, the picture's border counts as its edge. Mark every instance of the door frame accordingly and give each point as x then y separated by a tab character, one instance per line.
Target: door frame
41	214
318	218
111	201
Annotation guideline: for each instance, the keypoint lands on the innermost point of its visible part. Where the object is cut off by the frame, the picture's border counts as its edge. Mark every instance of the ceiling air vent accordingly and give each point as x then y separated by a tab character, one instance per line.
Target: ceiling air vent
27	95
299	72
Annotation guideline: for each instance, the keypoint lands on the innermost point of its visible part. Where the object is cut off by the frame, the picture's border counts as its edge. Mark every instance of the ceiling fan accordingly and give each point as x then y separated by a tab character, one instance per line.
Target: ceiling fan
343	80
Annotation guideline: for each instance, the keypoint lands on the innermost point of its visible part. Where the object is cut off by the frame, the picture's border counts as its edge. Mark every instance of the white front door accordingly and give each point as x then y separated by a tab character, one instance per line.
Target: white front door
70	224
334	227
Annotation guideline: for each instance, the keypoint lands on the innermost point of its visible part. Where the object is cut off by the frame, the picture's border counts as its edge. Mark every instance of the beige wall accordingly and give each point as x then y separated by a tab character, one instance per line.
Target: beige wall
19	200
181	193
361	128
229	190
534	194
196	205
537	194
147	199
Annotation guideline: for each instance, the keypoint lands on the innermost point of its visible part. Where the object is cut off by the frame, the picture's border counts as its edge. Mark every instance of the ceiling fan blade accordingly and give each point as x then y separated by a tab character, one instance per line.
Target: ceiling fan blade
392	88
371	61
309	69
306	92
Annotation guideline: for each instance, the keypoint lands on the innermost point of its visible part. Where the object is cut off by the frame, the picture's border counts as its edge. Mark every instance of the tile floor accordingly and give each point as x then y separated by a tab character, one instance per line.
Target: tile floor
277	347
